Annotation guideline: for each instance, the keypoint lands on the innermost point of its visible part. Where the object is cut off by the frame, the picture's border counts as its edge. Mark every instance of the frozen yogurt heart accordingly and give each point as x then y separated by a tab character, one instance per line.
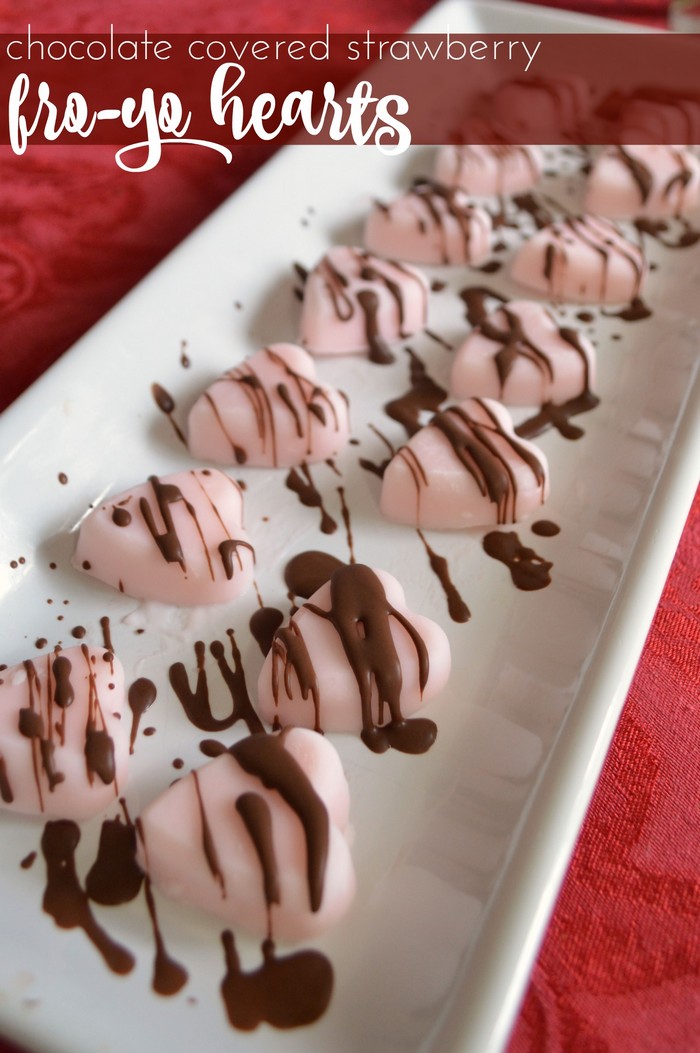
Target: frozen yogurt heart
354	658
354	301
581	258
521	356
270	411
64	745
465	468
549	109
489	170
643	180
257	836
177	539
430	224
652	115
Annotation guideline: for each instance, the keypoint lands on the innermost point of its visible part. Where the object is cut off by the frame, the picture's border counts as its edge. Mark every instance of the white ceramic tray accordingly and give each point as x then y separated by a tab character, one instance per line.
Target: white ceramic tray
459	853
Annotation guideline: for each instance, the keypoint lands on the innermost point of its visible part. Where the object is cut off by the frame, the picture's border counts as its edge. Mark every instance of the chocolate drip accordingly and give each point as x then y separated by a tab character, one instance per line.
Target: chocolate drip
255	813
545	528
28	861
121	517
196	703
655	228
431	196
289	648
424	395
536	208
63	693
115	877
553	415
527	570
306	572
66	901
370	466
266	758
208	844
360	613
264	623
169	976
212	747
635	311
99	754
166	404
476	298
345	512
285	992
5	787
456	607
228	549
378	348
309	496
168	542
141	696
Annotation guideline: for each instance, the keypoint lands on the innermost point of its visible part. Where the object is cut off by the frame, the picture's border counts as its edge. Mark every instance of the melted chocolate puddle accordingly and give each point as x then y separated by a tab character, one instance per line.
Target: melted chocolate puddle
264	623
196	704
306	572
166	404
457	608
635	311
545	528
115	877
286	992
423	395
528	570
309	496
67	902
141	696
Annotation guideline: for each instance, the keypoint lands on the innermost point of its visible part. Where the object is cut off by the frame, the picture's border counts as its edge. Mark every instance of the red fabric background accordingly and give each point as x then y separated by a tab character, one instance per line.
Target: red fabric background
619	968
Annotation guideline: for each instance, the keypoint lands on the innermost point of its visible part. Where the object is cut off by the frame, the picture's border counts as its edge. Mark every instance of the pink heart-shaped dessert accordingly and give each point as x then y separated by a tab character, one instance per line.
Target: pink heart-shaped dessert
257	836
355	658
521	356
489	170
630	181
270	411
177	539
64	742
466	468
431	224
581	258
355	301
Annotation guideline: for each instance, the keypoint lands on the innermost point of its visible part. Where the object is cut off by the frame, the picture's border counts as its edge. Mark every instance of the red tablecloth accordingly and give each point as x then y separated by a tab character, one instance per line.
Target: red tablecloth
620	966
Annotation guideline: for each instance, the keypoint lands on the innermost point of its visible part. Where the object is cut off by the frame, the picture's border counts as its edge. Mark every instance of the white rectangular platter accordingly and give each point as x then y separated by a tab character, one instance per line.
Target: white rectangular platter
459	852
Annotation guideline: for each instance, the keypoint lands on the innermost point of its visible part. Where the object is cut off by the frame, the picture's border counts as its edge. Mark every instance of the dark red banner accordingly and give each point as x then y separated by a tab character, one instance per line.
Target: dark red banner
145	93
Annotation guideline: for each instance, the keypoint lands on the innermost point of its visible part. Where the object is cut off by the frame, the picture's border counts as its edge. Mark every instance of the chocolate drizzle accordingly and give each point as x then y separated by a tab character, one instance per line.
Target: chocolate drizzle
65	899
306	572
168	541
255	813
141	696
528	571
5	786
264	623
166	404
424	395
457	608
196	704
305	489
228	549
285	992
360	613
437	205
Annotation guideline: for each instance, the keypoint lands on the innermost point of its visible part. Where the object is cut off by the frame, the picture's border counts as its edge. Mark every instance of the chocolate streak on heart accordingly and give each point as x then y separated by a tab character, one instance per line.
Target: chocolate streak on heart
378	348
141	696
196	703
424	395
99	745
5	787
528	571
360	613
266	758
66	901
228	549
285	992
255	813
166	404
440	205
290	651
208	843
456	607
309	496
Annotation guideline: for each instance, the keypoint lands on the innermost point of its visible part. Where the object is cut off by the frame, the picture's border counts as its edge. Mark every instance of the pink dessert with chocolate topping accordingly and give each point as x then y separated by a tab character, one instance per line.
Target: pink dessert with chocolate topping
354	658
356	302
64	750
546	108
466	468
257	836
430	224
586	259
489	170
628	181
521	356
177	539
270	411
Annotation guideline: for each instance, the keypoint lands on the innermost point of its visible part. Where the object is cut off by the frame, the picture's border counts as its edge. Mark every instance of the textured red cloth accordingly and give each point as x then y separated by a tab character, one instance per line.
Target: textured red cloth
619	968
